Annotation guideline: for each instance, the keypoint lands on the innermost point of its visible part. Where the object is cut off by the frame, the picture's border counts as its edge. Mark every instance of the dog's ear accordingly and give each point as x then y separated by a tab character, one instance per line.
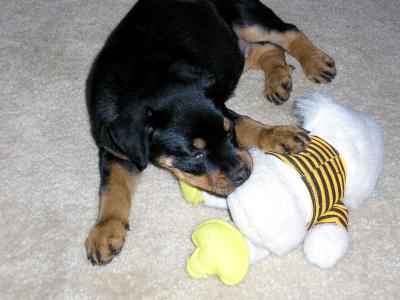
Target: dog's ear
129	136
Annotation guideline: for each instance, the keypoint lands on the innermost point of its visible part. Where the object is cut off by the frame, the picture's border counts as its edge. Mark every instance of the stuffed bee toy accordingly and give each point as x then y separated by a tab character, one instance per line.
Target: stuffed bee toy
292	200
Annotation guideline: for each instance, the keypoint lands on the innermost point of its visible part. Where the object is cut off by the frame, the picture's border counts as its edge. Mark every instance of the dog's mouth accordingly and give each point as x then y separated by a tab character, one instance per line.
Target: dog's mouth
222	190
216	182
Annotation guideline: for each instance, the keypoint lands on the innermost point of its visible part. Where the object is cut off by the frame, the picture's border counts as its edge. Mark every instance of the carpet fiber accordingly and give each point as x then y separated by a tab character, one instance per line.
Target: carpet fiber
49	177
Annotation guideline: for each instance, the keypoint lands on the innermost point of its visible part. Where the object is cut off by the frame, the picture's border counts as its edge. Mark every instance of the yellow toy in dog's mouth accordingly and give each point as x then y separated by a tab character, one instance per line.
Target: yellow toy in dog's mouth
191	194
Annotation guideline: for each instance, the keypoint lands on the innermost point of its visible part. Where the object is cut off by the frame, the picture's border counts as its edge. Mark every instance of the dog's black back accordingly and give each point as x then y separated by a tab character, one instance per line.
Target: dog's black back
154	53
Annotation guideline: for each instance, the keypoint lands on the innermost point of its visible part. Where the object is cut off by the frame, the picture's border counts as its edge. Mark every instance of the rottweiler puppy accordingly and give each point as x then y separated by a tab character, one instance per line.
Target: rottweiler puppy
156	93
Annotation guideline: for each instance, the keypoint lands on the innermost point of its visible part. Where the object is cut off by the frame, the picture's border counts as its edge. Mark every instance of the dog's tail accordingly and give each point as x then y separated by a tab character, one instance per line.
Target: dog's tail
355	135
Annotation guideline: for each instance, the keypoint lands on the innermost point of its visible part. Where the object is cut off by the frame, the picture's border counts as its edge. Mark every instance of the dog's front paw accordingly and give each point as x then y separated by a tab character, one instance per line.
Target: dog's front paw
278	84
318	66
285	140
106	240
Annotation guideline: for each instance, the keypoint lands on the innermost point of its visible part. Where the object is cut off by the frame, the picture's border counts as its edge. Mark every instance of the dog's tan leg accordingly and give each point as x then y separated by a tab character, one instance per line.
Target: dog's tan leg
317	66
280	139
278	75
107	236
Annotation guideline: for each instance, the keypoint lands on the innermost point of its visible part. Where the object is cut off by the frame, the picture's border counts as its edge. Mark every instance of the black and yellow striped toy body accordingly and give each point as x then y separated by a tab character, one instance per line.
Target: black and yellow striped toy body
323	171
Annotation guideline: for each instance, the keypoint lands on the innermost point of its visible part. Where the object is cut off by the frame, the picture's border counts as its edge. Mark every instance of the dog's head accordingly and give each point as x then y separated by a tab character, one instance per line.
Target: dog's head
189	136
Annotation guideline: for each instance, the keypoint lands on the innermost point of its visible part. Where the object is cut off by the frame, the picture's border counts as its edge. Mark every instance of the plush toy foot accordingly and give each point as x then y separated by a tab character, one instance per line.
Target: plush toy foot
326	244
221	250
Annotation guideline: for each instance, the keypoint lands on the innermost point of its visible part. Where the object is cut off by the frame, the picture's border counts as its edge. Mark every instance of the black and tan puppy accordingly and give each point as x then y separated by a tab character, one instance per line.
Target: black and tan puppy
157	90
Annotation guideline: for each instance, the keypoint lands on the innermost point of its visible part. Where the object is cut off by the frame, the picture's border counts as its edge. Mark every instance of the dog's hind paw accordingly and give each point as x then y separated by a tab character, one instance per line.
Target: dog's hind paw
319	67
278	84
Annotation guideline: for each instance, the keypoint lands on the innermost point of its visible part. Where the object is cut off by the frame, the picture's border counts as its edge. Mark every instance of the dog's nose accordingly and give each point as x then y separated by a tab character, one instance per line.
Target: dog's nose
240	175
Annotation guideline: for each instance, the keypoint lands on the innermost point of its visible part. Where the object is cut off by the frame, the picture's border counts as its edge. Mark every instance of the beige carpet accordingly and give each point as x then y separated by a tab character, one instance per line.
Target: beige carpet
49	176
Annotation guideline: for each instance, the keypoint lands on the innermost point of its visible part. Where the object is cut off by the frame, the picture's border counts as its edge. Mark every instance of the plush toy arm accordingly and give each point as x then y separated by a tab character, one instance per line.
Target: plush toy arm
215	201
325	244
327	241
338	214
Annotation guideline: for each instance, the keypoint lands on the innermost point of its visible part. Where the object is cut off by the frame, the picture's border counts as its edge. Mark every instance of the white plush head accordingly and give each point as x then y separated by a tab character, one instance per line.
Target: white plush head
272	208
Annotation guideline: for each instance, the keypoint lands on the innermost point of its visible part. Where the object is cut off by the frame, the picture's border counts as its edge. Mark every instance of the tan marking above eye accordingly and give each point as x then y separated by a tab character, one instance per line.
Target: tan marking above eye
227	124
165	162
199	143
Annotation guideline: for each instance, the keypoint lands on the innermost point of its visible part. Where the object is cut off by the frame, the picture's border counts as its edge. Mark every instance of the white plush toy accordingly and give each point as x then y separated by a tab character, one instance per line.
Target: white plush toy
289	200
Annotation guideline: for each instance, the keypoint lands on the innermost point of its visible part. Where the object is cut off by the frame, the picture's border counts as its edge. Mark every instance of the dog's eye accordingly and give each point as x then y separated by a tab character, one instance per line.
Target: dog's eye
227	125
199	156
150	131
